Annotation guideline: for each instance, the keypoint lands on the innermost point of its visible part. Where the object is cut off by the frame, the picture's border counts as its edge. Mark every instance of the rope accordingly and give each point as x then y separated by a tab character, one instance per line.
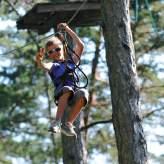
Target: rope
17	49
77	66
68	22
76	12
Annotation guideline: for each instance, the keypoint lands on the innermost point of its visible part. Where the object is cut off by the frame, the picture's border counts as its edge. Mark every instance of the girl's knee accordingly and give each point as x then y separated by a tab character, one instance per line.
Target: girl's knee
81	96
82	101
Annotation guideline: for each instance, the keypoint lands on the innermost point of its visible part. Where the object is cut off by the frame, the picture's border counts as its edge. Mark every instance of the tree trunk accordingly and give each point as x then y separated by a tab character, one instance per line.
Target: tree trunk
122	74
74	151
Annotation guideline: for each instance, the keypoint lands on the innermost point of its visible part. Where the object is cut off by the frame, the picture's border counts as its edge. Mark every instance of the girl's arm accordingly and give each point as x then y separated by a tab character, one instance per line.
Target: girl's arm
77	42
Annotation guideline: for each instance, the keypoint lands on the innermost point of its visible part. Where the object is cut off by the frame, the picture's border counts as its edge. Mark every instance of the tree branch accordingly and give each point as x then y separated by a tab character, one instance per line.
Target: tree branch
145	115
95	123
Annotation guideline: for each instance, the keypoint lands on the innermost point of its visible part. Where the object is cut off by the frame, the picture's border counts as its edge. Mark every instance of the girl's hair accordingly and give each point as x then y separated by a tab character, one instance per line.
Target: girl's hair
56	40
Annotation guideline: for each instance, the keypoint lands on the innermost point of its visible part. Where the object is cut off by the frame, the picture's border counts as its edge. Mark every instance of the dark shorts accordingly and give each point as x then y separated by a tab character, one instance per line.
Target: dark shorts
76	94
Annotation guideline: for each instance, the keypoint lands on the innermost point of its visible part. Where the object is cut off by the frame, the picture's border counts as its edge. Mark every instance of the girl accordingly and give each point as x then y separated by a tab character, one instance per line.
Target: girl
63	79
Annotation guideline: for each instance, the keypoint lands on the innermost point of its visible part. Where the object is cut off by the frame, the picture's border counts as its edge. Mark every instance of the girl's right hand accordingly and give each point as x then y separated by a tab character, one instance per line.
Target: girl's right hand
40	55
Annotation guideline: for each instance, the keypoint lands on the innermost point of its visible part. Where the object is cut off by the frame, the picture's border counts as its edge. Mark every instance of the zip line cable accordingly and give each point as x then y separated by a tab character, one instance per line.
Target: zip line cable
29	43
76	12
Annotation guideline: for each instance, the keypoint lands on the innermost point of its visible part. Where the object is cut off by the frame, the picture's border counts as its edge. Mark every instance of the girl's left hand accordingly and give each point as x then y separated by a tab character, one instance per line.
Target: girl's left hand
62	26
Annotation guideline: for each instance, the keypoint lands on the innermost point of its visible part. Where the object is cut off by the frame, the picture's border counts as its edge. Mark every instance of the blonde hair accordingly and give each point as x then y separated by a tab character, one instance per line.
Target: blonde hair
56	40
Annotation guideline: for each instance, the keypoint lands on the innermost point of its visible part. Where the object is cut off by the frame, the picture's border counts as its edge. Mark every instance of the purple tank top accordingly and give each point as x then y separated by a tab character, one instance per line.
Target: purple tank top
61	74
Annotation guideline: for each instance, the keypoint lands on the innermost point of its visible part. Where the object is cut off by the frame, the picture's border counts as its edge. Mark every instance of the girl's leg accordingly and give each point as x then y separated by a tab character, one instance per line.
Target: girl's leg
62	103
80	99
76	109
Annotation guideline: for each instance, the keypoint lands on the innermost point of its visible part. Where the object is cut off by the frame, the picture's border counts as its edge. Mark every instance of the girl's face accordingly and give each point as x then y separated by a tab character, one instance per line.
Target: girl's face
55	51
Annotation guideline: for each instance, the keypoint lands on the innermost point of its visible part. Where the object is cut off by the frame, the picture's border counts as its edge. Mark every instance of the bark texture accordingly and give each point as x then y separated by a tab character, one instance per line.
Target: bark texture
120	58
